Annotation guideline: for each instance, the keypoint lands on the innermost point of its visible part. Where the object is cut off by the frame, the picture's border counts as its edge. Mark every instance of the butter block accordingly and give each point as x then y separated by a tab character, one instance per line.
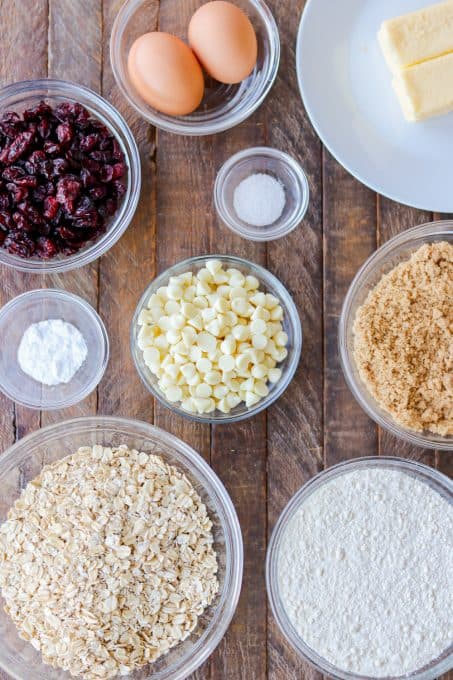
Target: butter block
426	89
418	36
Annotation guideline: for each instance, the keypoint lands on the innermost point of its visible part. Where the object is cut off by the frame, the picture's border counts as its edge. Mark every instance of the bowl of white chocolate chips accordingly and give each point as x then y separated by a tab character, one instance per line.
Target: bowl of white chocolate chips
216	338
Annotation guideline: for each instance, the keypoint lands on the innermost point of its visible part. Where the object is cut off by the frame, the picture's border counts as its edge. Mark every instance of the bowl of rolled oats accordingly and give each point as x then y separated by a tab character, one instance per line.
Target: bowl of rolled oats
120	554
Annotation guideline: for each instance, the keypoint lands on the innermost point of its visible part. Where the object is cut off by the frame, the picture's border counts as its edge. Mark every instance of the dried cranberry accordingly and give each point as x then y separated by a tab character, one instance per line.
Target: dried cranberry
68	190
6	221
97	193
22	222
65	133
4	201
59	167
42	110
119	188
39	194
19	243
17	148
89	143
52	148
17	194
46	248
44	129
51	207
33	163
13	173
106	174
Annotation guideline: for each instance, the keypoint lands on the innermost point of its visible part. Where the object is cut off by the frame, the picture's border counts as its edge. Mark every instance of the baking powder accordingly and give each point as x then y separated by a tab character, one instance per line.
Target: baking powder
366	572
259	200
52	351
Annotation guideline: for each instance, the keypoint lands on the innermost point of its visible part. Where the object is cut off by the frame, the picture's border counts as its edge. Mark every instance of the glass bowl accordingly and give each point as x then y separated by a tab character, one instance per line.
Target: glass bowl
268	161
291	325
40	305
423	473
25	460
223	106
22	95
396	250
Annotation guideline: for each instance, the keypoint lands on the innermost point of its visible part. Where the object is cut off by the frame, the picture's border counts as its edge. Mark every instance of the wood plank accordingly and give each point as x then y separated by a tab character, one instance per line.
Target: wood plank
295	421
129	266
393	218
238	455
79	61
349	239
20	59
19	20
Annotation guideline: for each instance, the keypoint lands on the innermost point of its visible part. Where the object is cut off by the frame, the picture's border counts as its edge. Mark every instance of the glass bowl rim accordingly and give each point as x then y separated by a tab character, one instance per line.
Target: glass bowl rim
423	231
419	471
178	125
289	306
50	87
77	301
215	489
281	228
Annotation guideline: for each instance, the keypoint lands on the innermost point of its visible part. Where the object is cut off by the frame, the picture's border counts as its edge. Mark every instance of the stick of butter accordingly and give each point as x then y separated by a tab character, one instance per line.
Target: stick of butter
418	36
426	89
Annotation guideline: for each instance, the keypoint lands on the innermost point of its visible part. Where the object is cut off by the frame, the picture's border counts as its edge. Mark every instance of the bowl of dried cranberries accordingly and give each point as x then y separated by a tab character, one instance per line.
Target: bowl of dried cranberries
70	176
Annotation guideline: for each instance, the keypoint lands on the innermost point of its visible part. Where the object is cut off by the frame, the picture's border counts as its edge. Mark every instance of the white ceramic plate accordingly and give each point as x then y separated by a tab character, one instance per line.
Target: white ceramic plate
346	88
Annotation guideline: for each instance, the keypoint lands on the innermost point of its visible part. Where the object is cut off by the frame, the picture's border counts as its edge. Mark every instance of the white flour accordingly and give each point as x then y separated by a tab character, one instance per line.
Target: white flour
366	572
52	351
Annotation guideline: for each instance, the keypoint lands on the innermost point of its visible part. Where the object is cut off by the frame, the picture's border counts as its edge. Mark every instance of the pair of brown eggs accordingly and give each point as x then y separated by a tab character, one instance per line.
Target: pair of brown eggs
168	74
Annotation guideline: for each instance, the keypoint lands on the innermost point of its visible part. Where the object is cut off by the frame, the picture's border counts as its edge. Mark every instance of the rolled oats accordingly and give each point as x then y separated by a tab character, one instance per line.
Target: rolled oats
107	561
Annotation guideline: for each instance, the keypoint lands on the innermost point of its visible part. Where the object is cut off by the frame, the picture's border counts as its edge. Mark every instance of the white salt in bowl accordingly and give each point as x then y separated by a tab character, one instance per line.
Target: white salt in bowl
41	305
422	473
275	163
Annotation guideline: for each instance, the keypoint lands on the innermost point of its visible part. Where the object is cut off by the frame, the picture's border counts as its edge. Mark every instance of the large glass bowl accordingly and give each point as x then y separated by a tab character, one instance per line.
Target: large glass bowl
26	94
223	106
25	460
396	250
423	473
291	325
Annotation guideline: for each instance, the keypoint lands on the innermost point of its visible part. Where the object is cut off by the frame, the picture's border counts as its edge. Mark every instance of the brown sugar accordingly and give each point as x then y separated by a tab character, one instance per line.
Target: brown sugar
403	340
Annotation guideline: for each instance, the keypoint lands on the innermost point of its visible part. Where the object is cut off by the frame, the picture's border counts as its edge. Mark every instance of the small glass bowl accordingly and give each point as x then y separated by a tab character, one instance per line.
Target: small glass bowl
41	305
269	161
26	94
291	325
24	461
437	481
397	249
223	106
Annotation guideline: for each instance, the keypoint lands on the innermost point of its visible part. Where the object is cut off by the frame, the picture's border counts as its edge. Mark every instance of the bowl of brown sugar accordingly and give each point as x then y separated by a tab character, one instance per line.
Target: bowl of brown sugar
396	336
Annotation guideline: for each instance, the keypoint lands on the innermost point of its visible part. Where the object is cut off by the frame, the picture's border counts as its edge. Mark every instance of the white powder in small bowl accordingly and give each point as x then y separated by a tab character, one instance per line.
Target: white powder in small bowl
365	572
259	200
52	351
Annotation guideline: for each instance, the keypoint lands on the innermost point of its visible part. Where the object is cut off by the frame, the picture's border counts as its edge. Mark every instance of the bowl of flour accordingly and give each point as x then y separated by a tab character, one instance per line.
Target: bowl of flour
359	570
55	349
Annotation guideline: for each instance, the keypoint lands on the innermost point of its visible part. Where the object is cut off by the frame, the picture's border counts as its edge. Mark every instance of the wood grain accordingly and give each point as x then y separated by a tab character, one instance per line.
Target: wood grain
349	239
78	61
128	267
21	19
295	422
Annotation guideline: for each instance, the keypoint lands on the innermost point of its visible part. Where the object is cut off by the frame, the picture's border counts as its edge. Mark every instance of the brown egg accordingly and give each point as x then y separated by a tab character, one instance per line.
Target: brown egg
224	40
166	73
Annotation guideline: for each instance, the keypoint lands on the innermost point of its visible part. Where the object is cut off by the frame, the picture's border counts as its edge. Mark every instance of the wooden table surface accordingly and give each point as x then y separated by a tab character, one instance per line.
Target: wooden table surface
316	423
